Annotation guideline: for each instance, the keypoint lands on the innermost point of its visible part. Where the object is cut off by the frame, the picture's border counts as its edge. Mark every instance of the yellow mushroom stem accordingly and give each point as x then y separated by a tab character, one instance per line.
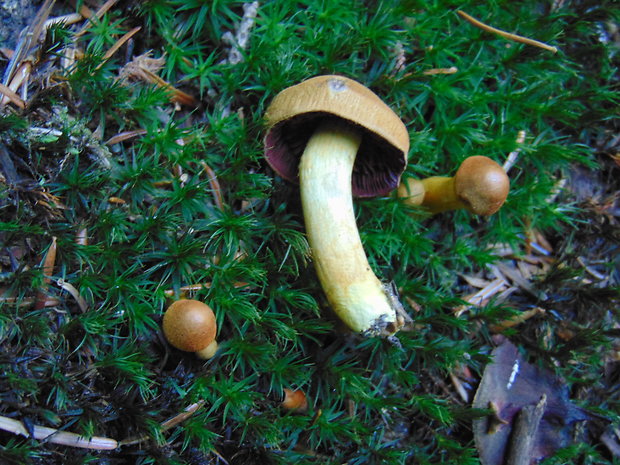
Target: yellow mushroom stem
355	294
208	352
437	193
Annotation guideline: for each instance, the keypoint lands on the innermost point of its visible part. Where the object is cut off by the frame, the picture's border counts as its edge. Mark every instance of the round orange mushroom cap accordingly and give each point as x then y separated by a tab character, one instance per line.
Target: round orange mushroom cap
481	184
189	325
295	400
296	112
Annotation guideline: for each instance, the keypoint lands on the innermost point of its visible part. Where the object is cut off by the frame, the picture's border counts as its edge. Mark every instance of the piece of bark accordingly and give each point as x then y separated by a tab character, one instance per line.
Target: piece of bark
524	433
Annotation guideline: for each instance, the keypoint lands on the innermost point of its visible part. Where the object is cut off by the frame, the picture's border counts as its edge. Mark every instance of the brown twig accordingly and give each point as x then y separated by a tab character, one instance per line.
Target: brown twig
434	71
10	95
516	320
506	35
215	185
117	45
176	95
166	425
123	136
199	287
481	297
459	388
81	237
48	270
98	14
20	77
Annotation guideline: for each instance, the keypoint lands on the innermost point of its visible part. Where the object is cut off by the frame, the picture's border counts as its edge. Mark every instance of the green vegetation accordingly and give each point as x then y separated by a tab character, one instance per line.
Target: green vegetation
149	210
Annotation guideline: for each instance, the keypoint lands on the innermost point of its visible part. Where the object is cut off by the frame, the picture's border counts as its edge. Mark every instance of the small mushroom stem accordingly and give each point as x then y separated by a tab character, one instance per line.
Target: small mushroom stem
437	193
353	291
208	352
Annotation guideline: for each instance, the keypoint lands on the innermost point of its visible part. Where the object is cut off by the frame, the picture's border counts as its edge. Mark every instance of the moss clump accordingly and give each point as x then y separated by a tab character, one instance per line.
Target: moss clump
147	191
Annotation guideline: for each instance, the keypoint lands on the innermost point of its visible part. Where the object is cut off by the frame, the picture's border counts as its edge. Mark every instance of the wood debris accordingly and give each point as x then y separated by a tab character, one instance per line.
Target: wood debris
43	433
145	68
48	270
168	424
514	273
514	155
241	39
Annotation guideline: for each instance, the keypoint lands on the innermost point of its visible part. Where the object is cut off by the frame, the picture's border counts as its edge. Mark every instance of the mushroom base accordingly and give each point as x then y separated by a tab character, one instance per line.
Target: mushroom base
208	352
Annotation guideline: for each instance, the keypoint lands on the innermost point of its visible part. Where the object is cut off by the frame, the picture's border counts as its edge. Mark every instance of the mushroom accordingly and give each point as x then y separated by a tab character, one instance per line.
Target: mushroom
480	186
338	139
189	325
294	400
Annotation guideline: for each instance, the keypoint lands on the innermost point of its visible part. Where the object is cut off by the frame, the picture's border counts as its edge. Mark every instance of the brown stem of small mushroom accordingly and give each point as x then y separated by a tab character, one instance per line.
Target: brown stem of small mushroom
352	289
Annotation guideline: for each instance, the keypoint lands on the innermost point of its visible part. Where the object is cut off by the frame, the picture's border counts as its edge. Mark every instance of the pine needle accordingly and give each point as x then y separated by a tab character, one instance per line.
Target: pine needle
506	35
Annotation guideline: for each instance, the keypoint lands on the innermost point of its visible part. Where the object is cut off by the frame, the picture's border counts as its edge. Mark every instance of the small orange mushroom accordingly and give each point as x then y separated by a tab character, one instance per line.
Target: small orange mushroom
295	400
190	325
480	186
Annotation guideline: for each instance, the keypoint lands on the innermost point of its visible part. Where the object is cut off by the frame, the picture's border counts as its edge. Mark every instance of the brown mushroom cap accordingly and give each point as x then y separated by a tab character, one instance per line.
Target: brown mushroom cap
295	113
295	400
481	184
189	325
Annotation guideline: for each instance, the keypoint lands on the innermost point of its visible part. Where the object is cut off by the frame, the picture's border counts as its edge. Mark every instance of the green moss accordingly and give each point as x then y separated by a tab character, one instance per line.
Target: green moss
150	211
